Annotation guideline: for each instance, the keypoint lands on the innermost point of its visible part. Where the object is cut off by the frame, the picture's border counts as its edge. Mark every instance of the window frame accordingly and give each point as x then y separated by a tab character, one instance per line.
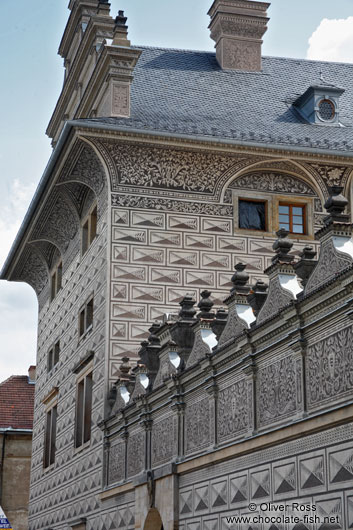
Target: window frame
291	206
50	429
272	213
56	279
53	356
260	201
85	317
89	228
83	407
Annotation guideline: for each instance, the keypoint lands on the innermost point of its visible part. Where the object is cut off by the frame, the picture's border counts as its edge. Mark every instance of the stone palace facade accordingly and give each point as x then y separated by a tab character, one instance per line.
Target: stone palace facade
173	392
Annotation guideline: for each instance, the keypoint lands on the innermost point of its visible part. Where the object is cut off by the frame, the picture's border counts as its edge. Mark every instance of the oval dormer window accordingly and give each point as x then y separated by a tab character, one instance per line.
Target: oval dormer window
327	110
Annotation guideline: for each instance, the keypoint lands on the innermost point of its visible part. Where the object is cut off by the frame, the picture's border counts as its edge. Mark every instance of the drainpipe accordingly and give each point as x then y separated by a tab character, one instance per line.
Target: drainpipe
2	462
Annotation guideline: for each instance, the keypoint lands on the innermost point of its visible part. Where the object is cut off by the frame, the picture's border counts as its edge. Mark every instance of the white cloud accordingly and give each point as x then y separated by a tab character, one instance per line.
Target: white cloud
332	41
18	305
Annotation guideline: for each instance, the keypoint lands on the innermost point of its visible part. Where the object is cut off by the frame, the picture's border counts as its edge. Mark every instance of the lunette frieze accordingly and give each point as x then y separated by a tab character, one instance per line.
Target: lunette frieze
272	182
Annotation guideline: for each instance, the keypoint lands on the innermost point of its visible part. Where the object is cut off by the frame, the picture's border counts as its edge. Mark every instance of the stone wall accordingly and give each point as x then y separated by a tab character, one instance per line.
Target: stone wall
15	478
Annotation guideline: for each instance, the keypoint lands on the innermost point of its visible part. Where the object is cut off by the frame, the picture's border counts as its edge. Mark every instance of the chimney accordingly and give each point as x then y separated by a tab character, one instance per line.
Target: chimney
32	374
237	27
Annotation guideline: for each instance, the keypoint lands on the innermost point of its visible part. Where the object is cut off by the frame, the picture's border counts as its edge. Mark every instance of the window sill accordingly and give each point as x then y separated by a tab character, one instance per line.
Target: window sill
82	447
49	468
85	334
262	234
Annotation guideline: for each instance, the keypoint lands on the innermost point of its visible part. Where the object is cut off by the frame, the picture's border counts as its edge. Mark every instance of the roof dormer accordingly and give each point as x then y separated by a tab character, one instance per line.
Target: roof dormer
319	104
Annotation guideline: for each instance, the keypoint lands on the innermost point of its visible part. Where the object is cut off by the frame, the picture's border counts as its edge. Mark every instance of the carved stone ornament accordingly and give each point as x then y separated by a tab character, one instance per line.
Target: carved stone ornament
135	453
277	299
148	203
197	425
330	368
165	371
201	347
234	327
276	391
167	168
273	183
141	383
332	175
116	471
233	410
330	264
241	55
164	439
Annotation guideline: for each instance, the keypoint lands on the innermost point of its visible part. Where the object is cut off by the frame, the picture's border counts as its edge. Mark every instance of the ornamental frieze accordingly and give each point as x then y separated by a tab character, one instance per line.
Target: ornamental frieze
197	425
233	410
154	167
330	368
277	391
116	471
135	453
164	439
150	203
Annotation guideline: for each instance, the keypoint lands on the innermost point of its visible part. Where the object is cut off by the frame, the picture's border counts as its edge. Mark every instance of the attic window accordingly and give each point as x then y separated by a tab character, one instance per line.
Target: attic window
326	110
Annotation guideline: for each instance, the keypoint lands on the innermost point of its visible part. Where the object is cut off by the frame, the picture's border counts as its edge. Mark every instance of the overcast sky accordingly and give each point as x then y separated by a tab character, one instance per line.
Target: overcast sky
31	80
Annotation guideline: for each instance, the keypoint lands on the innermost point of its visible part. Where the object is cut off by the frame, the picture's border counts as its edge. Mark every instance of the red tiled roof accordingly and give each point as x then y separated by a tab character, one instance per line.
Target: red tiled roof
16	403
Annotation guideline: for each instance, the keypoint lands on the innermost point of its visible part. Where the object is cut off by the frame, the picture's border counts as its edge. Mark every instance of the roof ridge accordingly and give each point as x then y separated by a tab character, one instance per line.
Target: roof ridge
12	377
186	50
210	52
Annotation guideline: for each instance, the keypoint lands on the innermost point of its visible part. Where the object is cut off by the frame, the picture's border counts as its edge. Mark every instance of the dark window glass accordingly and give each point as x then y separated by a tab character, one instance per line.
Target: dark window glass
83	410
53	356
252	215
50	437
326	110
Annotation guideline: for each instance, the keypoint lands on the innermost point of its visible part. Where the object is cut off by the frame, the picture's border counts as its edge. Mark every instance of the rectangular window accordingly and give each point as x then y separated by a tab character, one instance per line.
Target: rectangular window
292	218
252	214
83	410
89	229
50	437
86	318
56	280
53	356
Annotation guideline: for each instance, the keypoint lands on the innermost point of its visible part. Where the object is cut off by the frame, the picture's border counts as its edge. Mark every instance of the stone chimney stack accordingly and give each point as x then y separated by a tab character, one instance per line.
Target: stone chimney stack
32	374
237	27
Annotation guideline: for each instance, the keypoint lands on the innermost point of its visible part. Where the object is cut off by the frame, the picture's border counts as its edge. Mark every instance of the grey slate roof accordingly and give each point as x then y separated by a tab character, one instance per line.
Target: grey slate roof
186	92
